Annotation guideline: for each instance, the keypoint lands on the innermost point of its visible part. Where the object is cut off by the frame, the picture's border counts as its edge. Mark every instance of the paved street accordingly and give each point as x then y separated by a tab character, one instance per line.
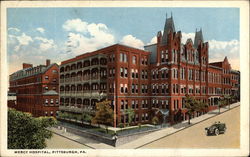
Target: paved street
180	135
194	137
59	142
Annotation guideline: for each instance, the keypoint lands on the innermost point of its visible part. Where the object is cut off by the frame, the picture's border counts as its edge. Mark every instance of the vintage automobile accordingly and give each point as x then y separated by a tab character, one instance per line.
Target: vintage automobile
216	129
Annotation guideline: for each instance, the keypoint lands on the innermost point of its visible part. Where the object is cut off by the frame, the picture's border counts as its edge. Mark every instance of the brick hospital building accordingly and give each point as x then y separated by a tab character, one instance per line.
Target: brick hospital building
147	80
35	89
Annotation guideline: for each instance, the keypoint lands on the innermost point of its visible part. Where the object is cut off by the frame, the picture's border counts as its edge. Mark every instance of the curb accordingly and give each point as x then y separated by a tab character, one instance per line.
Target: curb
72	140
185	127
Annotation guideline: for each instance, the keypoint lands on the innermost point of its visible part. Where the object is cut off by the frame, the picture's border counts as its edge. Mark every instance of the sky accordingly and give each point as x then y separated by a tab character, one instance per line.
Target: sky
37	34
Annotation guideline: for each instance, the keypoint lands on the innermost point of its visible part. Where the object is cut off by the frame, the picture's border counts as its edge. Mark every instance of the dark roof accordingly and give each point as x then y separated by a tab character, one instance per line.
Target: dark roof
22	72
153	49
218	64
198	37
169	25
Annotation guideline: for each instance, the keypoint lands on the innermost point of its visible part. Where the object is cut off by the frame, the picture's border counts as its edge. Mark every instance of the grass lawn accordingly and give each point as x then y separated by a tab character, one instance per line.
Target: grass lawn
102	130
134	128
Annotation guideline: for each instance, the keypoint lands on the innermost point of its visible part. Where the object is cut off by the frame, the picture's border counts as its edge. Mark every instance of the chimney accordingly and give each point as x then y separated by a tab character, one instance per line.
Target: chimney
47	62
27	65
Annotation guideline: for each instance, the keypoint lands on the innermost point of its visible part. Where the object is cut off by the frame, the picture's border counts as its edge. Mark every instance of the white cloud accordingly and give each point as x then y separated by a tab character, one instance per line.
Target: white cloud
23	40
132	41
13	29
46	43
186	36
153	41
75	25
40	29
219	49
86	37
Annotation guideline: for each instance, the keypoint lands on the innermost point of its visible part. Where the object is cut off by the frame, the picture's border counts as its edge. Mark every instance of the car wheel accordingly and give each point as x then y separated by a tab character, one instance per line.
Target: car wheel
216	132
207	133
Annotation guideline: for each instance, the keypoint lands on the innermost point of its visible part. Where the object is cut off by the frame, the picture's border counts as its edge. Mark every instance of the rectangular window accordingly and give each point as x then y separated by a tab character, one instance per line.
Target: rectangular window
122	104
121	71
126	72
51	101
121	57
133	104
122	89
134	59
133	88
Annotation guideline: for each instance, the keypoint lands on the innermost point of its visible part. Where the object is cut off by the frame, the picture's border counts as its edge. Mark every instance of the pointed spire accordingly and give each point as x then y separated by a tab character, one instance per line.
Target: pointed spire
169	26
198	38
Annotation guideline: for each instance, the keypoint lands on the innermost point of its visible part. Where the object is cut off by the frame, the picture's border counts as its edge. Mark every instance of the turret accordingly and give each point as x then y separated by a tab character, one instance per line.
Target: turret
169	27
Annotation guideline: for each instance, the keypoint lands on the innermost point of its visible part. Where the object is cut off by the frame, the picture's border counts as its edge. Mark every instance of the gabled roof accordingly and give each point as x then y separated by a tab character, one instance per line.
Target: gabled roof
169	25
23	72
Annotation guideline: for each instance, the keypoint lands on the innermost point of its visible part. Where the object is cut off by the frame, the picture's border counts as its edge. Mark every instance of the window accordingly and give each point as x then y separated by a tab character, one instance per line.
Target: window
146	116
133	104
54	80
57	102
46	101
122	104
136	104
132	73
134	59
122	89
121	57
143	104
126	88
133	88
136	73
142	117
126	72
121	71
125	58
162	57
142	74
54	71
126	104
142	88
46	77
51	101
46	88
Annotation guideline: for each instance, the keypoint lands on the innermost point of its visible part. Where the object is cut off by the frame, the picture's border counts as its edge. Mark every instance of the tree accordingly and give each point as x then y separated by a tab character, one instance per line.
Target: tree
131	113
201	106
221	102
27	132
155	120
191	106
228	99
104	114
86	117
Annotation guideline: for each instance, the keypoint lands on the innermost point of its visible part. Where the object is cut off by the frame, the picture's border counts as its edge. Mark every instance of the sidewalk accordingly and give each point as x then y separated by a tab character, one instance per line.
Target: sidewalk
173	129
145	139
91	143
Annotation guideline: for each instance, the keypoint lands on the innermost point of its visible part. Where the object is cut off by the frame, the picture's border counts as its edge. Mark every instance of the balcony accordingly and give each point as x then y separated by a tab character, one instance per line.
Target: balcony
76	109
